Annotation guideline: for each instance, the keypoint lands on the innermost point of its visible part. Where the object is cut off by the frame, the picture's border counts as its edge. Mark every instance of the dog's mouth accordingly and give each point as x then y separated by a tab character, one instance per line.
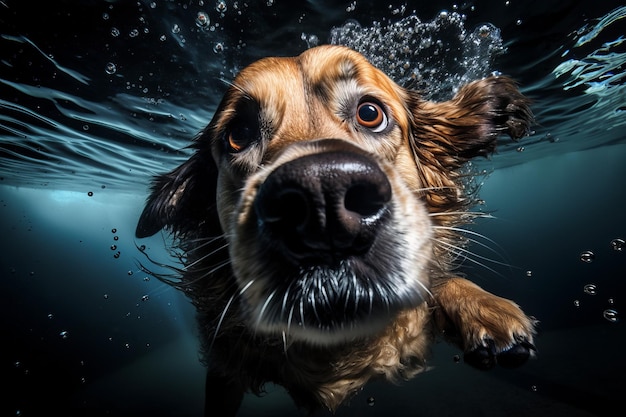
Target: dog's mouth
328	247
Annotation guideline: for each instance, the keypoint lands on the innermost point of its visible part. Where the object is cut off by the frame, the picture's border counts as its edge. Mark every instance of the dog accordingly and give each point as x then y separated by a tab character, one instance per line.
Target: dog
317	223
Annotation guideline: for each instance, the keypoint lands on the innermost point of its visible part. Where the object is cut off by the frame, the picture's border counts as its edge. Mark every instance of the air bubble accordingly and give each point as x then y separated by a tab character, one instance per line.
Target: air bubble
590	289
114	230
618	244
576	303
90	193
220	6
145	298
218	47
110	68
113	247
175	29
371	401
611	315
484	31
416	43
133	33
529	273
202	20
130	273
311	40
64	334
587	256
115	32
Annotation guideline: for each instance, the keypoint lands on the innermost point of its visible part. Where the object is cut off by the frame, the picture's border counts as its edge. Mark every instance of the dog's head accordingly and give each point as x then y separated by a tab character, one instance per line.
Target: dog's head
332	187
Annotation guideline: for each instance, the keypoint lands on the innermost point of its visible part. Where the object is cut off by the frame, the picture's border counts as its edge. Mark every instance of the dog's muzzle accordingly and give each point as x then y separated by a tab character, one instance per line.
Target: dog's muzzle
329	245
324	207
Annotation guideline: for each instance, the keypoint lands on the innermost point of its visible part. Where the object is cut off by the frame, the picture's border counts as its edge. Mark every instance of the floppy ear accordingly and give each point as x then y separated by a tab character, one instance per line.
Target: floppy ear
452	132
183	200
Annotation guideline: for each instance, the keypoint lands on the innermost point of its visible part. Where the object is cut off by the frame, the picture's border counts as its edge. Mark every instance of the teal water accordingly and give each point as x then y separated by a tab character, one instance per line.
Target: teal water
97	97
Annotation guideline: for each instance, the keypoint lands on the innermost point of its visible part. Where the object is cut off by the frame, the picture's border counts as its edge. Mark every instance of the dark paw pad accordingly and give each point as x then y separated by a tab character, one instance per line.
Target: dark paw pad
486	357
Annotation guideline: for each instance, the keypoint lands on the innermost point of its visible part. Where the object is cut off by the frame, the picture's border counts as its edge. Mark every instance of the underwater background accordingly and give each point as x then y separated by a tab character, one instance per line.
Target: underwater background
98	96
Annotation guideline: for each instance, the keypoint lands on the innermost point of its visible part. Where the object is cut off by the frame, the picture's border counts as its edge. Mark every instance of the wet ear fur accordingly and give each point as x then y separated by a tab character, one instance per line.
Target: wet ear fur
449	133
183	200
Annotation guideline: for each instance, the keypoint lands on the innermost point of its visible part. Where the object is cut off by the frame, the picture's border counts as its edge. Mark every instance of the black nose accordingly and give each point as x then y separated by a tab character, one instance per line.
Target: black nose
324	207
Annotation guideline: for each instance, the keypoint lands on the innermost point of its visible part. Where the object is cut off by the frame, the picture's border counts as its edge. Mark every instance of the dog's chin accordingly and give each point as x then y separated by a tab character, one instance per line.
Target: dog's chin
325	305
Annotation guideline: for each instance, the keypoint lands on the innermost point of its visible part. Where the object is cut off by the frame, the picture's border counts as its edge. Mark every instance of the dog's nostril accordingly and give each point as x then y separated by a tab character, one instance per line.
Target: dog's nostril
290	208
367	199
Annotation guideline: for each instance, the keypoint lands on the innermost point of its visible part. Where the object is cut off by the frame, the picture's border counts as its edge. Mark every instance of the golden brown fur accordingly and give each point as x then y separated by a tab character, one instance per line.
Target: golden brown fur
255	327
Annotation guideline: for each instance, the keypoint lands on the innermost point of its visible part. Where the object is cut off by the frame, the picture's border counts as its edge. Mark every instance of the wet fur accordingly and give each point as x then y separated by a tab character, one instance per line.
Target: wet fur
205	204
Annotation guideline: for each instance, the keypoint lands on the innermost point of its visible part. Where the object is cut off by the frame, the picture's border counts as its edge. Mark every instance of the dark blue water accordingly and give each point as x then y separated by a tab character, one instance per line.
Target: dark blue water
98	96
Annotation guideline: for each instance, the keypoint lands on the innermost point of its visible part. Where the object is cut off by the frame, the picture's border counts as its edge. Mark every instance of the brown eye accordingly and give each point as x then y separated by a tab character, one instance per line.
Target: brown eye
236	142
371	115
244	129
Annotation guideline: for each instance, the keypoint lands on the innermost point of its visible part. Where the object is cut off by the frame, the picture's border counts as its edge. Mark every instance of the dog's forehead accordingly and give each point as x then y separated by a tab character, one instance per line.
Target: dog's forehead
312	94
318	71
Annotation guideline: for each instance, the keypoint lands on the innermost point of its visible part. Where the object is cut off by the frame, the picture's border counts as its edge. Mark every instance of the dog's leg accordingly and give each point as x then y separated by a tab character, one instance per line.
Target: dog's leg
491	330
222	396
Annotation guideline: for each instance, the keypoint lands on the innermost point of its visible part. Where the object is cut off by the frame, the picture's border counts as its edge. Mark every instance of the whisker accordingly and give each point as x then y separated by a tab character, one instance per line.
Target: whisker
302	312
245	287
290	318
206	273
425	288
235	86
479	214
475	241
205	256
435	188
225	311
219	323
285	297
205	242
285	345
265	305
465	254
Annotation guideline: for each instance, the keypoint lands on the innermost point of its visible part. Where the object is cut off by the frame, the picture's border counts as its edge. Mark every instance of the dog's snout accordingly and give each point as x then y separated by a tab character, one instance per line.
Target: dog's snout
324	206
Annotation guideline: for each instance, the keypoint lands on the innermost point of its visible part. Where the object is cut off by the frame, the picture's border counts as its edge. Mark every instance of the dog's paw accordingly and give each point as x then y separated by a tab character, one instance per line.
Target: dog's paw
487	356
495	331
491	330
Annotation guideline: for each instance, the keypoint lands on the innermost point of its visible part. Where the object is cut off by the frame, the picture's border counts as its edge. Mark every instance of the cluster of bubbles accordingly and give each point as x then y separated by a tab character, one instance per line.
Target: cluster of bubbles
114	246
435	57
587	256
179	31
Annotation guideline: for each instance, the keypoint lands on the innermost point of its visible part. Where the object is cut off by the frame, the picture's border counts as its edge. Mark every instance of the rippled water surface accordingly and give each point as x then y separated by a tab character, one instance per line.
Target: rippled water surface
98	96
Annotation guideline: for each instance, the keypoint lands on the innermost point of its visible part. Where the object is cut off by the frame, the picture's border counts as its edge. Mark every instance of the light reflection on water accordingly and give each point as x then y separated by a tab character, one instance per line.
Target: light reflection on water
116	129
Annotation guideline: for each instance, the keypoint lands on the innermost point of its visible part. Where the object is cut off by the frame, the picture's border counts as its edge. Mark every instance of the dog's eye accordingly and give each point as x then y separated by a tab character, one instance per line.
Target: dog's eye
244	129
370	114
239	138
